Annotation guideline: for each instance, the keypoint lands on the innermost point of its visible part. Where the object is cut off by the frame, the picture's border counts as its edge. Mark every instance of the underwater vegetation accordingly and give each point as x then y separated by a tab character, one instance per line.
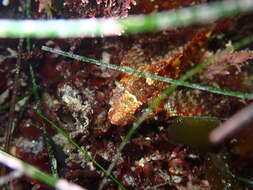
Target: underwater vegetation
138	101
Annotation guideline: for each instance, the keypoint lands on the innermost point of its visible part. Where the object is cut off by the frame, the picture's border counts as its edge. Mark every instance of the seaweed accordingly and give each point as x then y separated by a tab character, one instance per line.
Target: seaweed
126	94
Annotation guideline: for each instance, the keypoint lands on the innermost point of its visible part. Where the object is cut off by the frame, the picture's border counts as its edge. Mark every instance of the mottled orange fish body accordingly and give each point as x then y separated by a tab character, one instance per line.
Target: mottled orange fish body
134	92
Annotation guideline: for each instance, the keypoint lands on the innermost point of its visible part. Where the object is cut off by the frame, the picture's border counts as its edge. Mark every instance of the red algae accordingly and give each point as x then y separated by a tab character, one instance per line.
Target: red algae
89	104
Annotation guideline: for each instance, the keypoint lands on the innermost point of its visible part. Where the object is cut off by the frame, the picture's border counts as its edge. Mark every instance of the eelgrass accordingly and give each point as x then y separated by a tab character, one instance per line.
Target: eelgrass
51	153
48	139
49	144
159	99
12	120
169	90
27	10
245	180
34	86
64	28
29	170
155	77
7	105
35	173
79	148
104	27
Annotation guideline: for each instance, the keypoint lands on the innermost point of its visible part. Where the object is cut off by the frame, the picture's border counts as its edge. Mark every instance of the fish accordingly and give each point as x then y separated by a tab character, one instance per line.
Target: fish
135	93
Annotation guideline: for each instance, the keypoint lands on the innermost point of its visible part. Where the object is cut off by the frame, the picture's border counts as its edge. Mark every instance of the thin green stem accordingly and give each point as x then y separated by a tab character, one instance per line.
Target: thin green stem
12	120
62	28
159	99
155	77
53	161
245	41
34	86
135	127
29	170
7	106
84	152
28	16
245	180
